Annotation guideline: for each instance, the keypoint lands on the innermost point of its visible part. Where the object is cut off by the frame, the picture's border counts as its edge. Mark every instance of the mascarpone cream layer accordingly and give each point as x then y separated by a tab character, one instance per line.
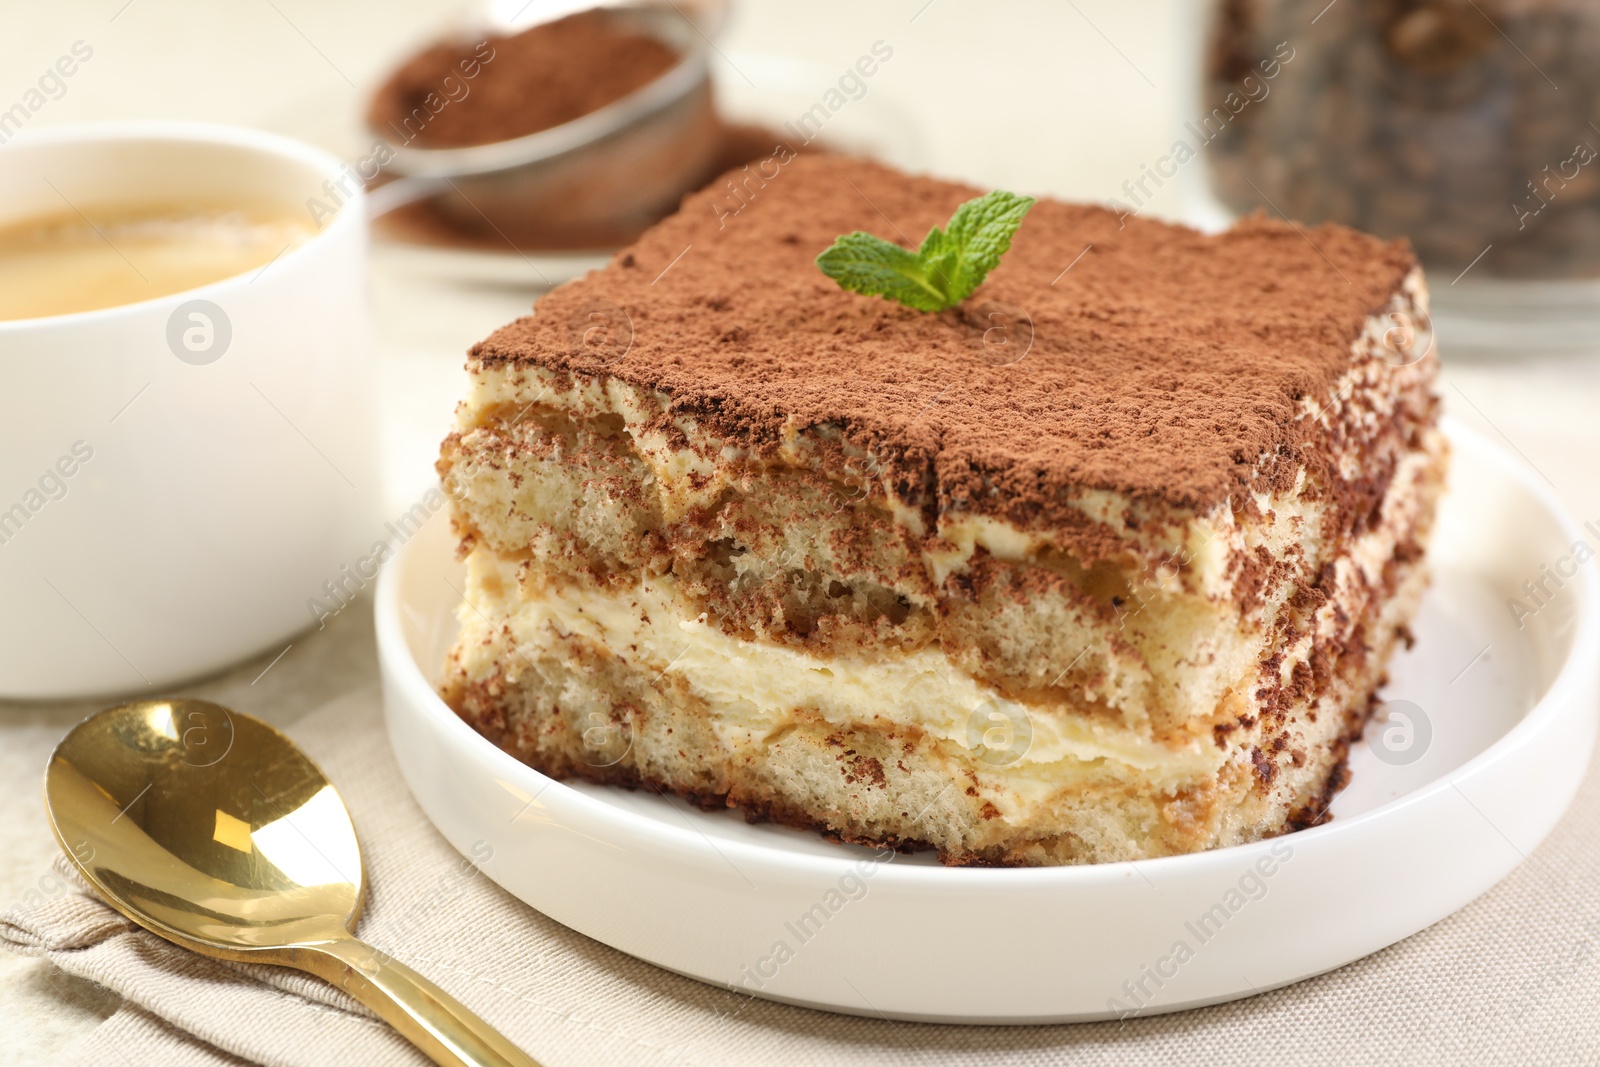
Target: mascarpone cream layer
756	690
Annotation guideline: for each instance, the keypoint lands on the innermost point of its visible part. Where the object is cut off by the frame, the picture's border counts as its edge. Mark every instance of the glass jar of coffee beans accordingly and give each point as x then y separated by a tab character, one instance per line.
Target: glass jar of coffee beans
1471	127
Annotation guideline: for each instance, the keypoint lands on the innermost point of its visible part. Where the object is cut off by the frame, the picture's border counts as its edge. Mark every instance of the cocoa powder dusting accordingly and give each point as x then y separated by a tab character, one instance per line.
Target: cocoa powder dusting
1163	364
530	81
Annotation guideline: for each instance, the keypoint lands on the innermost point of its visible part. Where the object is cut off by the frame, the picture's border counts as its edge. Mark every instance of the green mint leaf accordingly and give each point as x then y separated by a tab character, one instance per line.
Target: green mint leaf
979	234
945	270
870	265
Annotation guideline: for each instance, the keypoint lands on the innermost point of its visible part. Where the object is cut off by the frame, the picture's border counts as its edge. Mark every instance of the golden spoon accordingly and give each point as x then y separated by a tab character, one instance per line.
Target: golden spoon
213	830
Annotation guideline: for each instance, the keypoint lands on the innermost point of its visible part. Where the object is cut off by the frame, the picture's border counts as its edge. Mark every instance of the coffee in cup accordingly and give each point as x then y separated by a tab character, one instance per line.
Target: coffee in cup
90	257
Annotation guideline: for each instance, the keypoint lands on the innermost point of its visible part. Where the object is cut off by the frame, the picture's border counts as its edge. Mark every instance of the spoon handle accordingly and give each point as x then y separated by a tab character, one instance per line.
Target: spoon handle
438	1024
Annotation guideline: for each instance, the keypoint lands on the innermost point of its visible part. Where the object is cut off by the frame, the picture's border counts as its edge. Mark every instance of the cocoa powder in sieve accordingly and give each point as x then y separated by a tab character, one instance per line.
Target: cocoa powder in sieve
455	94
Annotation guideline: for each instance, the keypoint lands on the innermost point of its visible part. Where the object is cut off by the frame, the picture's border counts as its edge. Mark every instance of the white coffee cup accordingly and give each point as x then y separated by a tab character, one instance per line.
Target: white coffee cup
178	477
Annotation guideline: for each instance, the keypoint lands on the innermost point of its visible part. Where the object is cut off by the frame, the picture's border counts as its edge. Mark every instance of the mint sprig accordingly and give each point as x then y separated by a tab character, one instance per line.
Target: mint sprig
951	263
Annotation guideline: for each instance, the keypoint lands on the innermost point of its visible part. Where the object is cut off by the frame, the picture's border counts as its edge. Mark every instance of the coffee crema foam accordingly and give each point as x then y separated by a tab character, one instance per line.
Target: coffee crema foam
111	255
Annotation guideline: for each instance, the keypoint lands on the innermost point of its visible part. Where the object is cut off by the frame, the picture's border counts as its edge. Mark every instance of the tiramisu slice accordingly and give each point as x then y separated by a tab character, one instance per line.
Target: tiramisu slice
1102	563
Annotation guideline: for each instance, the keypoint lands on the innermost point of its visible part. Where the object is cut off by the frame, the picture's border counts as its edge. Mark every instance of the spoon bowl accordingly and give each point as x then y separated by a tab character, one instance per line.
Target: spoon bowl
215	831
266	849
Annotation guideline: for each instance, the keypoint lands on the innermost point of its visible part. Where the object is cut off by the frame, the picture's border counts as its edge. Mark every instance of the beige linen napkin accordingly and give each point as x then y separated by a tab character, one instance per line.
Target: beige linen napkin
1515	977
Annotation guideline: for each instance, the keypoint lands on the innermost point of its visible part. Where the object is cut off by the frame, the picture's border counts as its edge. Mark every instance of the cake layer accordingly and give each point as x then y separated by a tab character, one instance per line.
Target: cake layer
1165	366
600	479
577	686
557	665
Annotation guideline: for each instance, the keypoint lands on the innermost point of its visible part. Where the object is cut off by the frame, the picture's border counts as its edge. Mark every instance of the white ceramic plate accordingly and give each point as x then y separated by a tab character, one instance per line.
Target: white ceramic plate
1502	721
